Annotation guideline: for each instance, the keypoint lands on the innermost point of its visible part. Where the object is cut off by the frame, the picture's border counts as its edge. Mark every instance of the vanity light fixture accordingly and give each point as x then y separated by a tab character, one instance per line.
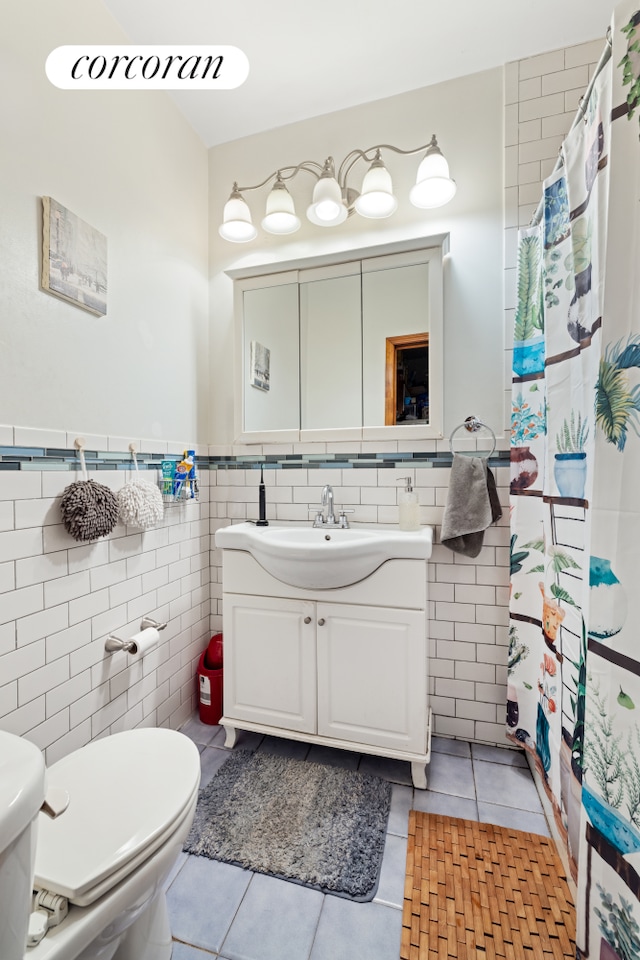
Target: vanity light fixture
333	201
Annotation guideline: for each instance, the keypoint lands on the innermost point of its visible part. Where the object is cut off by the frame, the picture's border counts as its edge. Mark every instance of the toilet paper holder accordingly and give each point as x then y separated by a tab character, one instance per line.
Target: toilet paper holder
114	644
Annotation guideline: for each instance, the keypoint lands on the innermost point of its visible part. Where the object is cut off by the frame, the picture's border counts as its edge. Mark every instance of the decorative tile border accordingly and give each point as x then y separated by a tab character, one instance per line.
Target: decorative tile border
50	458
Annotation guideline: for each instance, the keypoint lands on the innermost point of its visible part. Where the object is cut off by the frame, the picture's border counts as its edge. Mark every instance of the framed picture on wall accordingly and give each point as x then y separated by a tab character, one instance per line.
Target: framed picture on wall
259	374
74	258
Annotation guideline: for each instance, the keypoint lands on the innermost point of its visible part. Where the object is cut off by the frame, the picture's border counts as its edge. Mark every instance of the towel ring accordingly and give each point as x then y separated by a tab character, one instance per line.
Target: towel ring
472	424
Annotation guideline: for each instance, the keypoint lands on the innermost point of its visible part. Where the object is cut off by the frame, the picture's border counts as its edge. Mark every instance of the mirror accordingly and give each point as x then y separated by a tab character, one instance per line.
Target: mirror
271	322
342	348
330	348
396	306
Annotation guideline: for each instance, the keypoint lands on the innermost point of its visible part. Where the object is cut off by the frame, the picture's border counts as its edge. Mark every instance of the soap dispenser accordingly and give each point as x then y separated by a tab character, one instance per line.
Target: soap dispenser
408	506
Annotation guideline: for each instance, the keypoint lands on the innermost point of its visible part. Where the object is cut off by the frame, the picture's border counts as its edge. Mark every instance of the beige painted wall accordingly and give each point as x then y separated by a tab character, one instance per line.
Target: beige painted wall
128	164
466	114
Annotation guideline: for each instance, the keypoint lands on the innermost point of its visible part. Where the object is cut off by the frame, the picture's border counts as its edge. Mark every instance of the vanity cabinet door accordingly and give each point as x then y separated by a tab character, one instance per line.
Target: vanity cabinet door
270	661
372	684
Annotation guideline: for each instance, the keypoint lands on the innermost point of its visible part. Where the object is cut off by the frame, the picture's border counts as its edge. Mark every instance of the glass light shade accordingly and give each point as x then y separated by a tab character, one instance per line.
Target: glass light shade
280	217
376	200
236	221
327	208
433	186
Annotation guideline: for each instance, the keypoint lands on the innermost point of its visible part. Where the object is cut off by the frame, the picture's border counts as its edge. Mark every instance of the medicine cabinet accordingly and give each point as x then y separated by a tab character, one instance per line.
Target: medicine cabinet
341	347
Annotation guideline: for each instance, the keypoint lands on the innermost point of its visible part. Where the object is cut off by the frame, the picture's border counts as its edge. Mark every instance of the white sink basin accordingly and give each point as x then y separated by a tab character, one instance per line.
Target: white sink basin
321	559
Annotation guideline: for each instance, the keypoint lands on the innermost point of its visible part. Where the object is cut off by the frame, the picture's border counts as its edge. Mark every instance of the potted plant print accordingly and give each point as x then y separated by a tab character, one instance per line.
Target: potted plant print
619	929
528	331
610	766
570	470
524	469
526	425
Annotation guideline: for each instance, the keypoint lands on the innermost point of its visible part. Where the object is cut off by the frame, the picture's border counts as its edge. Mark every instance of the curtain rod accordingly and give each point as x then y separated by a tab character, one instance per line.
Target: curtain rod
584	100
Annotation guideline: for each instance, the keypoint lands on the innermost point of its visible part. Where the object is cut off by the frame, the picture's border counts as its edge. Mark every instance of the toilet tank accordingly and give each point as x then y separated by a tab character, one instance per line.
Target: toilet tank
22	784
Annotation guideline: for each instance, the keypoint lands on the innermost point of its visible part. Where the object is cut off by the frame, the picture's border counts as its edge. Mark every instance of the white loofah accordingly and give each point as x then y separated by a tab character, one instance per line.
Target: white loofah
140	504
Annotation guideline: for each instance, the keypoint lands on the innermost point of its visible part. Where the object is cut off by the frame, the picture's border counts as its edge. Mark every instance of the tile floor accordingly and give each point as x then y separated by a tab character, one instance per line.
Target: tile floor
221	911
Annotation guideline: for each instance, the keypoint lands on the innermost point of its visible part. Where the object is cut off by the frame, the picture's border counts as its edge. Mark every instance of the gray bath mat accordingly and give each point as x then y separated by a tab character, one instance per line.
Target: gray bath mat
321	826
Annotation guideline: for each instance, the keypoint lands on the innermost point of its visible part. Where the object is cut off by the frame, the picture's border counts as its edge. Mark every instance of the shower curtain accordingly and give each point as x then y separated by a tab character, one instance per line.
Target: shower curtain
574	641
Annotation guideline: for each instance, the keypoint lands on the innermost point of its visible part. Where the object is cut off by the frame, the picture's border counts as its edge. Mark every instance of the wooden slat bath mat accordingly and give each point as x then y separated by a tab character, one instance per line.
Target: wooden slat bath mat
474	890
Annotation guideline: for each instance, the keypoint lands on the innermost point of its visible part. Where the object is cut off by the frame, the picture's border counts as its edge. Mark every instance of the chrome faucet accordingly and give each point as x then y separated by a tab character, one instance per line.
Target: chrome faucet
330	519
327	501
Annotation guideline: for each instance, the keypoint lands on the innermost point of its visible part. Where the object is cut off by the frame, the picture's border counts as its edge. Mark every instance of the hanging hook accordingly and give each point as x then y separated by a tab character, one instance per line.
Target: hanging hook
79	445
132	448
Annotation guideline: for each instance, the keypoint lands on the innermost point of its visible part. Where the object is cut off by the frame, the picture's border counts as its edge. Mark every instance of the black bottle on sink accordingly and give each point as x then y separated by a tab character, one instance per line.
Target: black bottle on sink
262	503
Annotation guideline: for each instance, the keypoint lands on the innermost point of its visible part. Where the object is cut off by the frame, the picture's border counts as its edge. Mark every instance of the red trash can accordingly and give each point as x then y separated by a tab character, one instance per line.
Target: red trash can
210	681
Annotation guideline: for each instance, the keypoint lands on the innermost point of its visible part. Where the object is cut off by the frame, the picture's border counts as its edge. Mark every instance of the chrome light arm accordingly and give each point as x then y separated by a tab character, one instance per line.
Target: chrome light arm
328	168
352	158
288	173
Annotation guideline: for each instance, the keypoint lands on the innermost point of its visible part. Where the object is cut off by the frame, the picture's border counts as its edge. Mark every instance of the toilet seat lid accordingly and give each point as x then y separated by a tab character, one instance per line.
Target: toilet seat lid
125	791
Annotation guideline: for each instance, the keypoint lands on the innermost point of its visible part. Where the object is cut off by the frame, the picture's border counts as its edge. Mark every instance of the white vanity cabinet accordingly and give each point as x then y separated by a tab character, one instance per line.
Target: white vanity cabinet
270	662
371	676
344	667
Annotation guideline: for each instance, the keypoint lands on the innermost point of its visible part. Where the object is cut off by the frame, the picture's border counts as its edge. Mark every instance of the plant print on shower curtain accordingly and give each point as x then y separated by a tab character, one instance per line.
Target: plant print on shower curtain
609	875
574	657
550	517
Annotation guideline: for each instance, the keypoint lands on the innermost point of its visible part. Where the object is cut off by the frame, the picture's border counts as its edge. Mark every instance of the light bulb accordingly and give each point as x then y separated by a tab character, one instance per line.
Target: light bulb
327	210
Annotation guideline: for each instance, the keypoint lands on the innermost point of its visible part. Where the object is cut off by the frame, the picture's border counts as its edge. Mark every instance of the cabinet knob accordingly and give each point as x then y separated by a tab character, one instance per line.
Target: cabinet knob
321	622
307	619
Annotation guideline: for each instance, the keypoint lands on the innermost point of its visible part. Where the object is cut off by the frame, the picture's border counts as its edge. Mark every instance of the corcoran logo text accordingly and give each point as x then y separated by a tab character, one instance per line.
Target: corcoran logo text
148	67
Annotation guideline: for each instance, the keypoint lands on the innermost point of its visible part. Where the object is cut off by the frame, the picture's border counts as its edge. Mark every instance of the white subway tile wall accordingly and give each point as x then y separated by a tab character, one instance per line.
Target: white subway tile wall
59	600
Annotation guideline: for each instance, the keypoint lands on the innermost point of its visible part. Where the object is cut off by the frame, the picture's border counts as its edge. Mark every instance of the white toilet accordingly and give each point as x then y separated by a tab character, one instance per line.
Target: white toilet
131	800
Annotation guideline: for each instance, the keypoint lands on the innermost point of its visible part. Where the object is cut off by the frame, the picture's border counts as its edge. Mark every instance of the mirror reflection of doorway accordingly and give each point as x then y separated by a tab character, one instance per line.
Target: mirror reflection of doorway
407	379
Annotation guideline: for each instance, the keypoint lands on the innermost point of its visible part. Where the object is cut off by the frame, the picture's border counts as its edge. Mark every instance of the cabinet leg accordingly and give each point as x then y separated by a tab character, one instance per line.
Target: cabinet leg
231	736
419	775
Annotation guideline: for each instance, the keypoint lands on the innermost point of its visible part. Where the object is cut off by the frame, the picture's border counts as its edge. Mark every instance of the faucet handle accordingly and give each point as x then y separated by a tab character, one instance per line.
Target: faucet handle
342	518
318	520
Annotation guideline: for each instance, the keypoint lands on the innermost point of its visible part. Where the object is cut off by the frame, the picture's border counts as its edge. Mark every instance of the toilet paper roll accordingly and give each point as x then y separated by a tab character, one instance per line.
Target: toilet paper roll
144	642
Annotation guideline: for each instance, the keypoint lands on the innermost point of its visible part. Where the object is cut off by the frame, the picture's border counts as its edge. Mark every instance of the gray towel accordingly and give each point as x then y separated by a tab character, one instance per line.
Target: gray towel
472	505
